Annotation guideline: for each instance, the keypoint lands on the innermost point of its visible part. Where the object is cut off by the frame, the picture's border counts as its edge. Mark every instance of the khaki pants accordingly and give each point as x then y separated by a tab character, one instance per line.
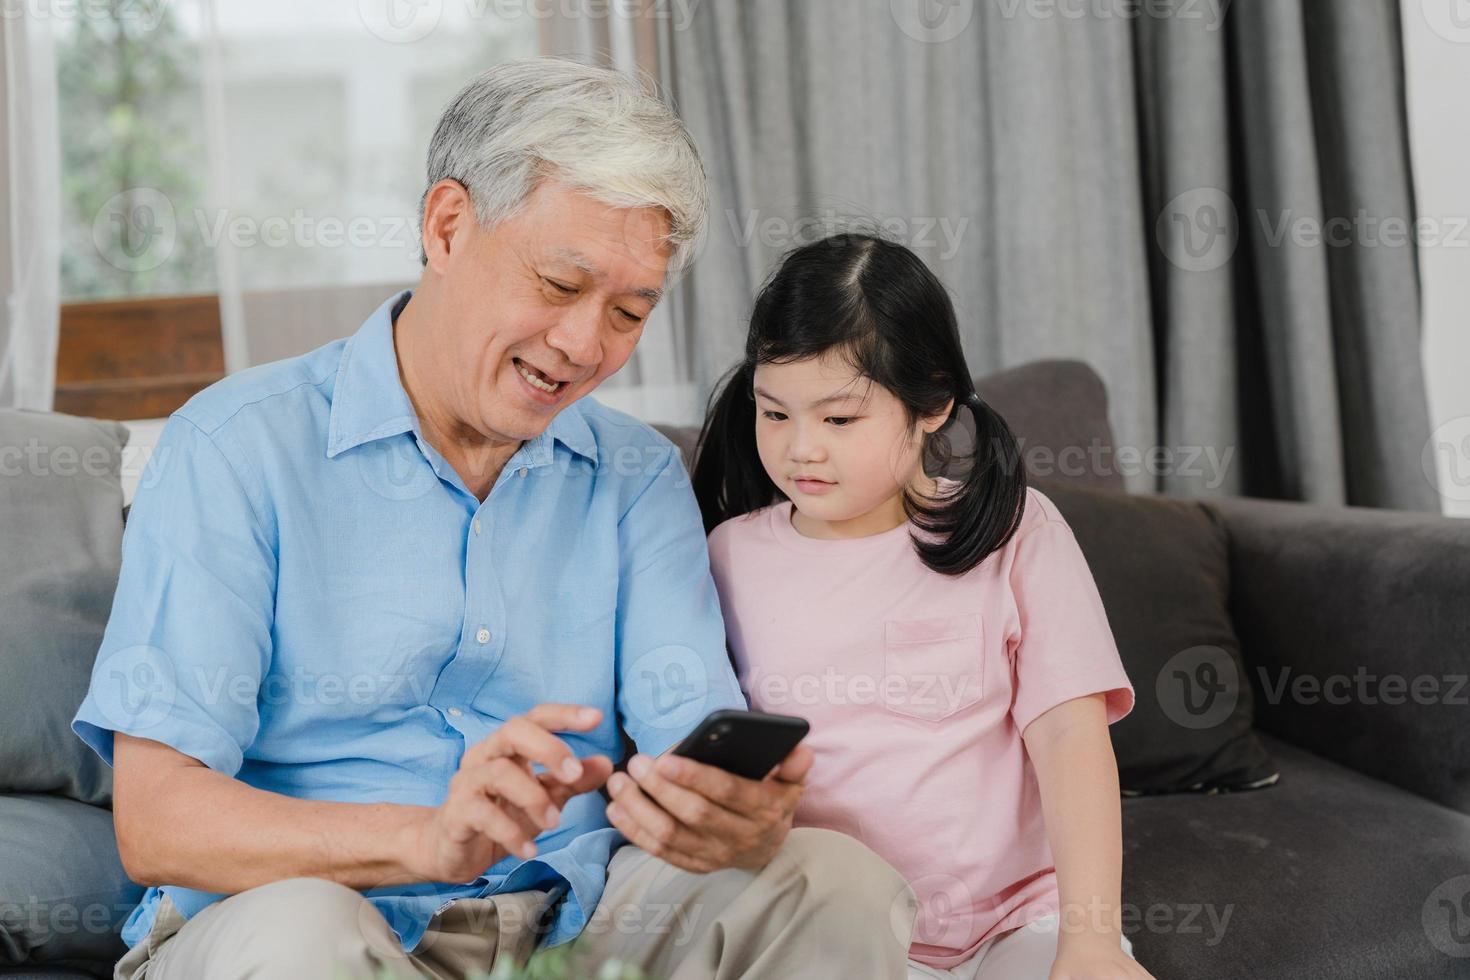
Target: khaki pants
825	906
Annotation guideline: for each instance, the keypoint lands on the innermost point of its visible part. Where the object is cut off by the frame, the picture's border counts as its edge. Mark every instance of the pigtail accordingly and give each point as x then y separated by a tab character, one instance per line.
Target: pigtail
984	511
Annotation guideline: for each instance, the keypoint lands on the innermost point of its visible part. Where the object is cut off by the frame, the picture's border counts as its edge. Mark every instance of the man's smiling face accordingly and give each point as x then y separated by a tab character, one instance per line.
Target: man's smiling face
544	306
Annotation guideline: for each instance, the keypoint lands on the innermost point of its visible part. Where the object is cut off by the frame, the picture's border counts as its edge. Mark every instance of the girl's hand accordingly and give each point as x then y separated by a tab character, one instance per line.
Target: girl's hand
1095	957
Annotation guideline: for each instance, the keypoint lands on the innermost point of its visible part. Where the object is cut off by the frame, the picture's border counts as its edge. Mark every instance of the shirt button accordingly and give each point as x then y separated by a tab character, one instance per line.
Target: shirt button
477	527
483	636
455	712
521	471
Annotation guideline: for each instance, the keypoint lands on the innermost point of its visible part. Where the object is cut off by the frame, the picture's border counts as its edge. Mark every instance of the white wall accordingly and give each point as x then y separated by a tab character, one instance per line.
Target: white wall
1437	46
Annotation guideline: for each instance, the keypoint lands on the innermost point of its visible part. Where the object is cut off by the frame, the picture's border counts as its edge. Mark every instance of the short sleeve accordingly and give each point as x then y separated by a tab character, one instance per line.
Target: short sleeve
189	636
1065	648
673	668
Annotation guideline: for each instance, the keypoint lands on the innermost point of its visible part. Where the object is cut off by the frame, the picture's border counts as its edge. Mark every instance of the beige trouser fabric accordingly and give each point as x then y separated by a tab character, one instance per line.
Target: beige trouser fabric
825	906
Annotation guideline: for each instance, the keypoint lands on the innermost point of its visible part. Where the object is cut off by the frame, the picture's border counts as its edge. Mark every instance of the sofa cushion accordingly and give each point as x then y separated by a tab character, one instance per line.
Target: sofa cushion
1330	875
61	520
1163	570
63	892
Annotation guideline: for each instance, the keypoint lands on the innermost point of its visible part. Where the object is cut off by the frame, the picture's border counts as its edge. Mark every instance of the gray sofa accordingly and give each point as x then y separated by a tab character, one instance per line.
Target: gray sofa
1355	863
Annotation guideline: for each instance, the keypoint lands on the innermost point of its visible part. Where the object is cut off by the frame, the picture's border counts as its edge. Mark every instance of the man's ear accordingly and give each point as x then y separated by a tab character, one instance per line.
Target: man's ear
448	212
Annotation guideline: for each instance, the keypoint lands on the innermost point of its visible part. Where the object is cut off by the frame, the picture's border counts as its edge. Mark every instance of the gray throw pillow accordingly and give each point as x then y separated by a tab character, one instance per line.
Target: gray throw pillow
1163	570
60	551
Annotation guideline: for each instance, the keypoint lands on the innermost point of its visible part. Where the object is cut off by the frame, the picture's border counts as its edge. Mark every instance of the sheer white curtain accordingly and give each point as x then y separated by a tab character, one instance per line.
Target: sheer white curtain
30	196
317	124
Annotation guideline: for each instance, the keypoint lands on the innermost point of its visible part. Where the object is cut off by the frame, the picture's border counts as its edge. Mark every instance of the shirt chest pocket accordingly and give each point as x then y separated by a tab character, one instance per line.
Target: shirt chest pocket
932	668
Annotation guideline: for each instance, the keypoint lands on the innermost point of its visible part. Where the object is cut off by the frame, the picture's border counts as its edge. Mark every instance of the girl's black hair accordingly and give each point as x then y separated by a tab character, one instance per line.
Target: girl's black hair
880	306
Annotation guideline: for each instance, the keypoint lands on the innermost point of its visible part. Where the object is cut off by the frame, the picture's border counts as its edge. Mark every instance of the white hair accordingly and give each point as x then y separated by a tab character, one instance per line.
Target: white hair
594	129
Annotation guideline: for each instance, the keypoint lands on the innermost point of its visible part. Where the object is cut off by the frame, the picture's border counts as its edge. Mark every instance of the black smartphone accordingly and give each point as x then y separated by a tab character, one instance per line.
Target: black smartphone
746	743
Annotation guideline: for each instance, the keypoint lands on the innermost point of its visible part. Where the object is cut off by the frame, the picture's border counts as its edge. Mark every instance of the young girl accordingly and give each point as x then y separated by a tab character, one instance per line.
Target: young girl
943	636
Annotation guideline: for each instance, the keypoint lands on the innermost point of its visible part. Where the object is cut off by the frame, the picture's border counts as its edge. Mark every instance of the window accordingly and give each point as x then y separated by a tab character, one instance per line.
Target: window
219	155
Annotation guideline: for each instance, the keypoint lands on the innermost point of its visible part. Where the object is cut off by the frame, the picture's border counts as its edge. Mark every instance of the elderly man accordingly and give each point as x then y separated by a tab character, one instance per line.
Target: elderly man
388	609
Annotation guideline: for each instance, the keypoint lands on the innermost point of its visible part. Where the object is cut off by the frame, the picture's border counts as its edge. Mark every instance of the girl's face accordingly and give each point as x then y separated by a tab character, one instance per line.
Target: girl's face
839	445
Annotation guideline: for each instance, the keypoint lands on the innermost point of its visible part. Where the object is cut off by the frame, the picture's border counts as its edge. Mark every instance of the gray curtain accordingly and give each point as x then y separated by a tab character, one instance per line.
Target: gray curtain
1137	192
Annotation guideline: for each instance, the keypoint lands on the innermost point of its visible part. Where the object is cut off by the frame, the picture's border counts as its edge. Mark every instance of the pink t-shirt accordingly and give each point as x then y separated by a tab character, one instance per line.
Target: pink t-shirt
918	686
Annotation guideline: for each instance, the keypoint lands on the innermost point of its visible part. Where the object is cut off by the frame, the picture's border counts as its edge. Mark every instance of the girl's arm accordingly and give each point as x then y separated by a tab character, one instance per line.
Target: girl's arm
1078	777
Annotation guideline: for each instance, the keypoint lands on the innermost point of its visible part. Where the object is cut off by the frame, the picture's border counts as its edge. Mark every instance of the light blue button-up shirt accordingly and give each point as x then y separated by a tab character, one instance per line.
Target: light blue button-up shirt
312	602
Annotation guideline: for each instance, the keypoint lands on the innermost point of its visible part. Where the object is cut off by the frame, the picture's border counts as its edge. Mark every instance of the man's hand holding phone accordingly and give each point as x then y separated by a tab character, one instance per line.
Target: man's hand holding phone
700	817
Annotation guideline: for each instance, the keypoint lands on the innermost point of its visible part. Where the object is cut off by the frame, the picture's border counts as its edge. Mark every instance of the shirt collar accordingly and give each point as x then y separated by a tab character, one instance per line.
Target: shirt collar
369	403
